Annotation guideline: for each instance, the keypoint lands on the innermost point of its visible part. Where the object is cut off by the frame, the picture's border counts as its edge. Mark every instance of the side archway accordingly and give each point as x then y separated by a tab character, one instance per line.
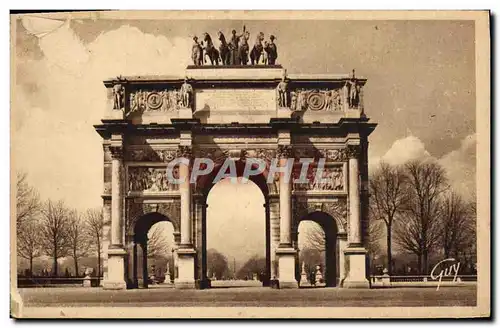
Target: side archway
139	270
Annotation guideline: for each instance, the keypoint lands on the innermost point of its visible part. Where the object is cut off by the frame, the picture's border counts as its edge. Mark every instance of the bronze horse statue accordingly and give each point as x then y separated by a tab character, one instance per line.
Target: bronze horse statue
210	50
223	49
257	49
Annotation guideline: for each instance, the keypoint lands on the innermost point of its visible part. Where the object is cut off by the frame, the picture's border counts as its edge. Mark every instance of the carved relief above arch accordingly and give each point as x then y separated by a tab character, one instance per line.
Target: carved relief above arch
336	208
330	155
136	209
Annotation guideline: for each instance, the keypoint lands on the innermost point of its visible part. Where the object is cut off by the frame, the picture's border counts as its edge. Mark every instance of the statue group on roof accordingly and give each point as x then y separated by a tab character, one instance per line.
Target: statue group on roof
236	51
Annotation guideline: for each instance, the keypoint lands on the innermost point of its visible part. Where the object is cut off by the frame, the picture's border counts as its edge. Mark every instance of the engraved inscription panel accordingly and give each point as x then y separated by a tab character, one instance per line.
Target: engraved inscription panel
240	100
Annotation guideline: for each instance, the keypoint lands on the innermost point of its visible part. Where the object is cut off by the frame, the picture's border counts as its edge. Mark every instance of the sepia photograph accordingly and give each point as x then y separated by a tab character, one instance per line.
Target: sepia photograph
237	164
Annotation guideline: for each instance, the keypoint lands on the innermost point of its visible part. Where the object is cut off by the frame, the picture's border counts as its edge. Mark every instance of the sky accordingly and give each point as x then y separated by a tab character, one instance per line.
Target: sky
420	90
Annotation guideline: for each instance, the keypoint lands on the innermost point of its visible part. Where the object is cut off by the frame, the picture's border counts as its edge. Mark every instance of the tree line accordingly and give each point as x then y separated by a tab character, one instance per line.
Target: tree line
53	229
422	213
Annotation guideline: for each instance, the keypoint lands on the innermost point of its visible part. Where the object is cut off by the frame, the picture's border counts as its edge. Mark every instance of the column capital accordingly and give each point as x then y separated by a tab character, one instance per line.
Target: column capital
116	151
353	151
284	151
185	151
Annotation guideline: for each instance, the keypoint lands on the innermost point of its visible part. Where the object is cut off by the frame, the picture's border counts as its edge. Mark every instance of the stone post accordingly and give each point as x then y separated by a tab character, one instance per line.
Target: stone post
356	275
285	251
186	252
116	252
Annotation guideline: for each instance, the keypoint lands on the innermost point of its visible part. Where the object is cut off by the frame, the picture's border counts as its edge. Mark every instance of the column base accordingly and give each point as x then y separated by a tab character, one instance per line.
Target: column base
356	284
184	285
114	285
286	267
203	284
356	276
186	269
274	283
116	269
288	284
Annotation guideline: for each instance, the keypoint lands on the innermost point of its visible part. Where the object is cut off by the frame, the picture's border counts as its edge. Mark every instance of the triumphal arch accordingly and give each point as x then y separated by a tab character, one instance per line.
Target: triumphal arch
234	113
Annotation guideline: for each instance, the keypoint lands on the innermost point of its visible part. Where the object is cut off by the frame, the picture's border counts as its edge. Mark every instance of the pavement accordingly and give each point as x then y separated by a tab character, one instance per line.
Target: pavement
250	297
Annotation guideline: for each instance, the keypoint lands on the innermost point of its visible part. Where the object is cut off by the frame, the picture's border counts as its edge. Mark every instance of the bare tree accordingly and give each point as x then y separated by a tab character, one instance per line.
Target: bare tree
28	241
77	237
458	229
375	234
315	237
54	231
419	231
387	199
94	225
27	200
157	242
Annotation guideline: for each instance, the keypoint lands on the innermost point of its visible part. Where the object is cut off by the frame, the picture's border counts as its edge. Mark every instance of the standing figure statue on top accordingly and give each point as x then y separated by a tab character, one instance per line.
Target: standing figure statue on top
197	53
234	47
272	51
257	49
243	49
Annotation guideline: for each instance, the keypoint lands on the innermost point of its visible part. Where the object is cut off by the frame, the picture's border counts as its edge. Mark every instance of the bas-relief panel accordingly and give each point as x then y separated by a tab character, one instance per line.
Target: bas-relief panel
333	179
150	179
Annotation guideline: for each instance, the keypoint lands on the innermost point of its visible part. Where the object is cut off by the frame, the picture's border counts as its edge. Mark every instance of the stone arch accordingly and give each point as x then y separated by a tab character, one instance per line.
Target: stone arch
331	231
140	218
336	209
137	210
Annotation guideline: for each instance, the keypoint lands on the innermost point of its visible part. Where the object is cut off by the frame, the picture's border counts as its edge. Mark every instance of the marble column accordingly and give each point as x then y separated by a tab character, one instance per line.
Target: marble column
342	245
275	238
356	253
186	252
116	251
285	252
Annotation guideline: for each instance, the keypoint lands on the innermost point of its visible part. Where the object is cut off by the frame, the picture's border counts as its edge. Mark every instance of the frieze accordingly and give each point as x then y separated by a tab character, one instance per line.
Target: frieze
151	155
150	179
330	155
218	155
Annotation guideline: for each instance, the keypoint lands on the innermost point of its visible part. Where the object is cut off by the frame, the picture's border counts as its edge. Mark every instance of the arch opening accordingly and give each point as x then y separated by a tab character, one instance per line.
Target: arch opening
318	256
153	255
236	223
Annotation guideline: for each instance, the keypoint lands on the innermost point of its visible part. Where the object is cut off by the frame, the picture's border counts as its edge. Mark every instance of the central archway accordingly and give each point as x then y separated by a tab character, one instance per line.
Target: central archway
206	185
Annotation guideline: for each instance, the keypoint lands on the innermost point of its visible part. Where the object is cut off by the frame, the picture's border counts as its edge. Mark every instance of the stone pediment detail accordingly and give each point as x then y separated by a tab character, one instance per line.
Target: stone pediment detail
135	210
337	209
